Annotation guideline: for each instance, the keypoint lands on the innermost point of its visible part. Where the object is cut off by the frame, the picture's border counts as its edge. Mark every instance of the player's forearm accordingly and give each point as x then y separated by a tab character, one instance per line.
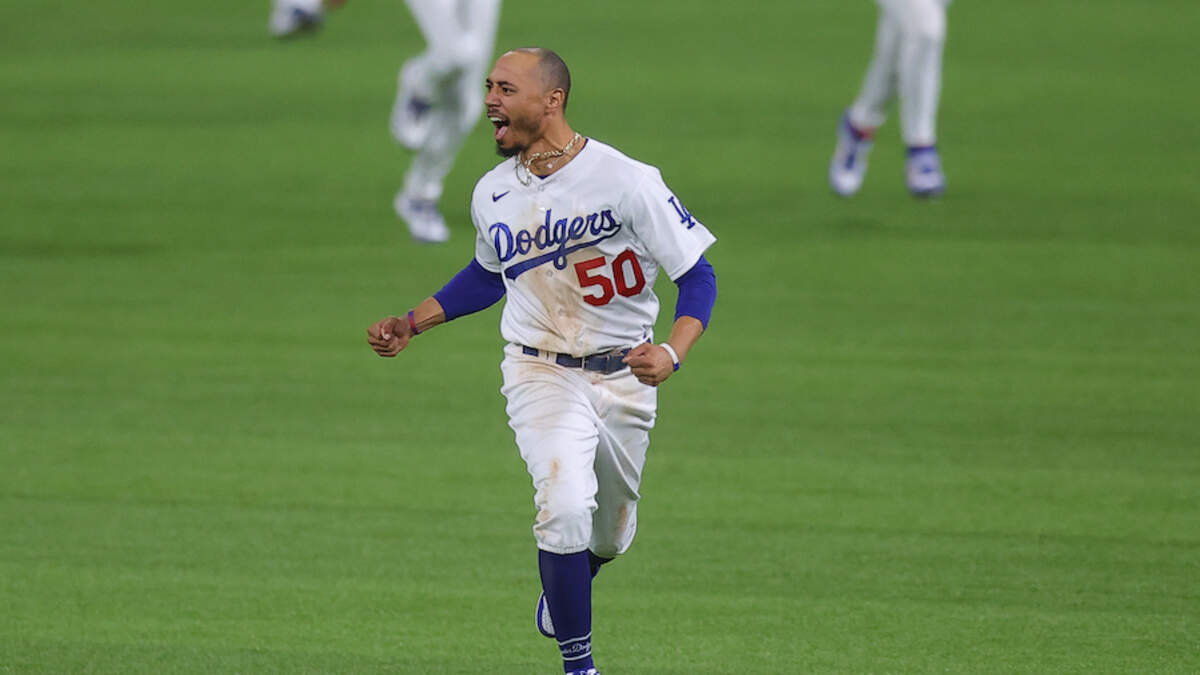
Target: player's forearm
684	334
428	314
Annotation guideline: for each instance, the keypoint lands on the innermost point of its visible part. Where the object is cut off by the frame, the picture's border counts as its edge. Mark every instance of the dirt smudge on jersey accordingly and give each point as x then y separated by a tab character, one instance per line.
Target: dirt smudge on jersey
560	295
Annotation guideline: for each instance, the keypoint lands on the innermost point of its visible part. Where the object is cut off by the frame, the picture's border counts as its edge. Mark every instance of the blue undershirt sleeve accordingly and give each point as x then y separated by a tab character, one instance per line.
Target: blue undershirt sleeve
471	290
697	292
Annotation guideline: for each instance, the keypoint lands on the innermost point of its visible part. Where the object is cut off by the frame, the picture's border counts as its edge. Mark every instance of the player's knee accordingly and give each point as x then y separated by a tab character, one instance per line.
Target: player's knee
564	523
613	532
927	23
568	511
470	52
463	54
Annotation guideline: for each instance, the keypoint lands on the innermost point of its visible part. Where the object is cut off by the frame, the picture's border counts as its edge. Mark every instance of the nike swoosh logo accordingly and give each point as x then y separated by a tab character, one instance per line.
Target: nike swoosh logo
498	197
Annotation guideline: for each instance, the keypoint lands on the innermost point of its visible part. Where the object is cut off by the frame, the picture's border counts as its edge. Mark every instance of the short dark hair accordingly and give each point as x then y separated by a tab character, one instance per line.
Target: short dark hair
554	71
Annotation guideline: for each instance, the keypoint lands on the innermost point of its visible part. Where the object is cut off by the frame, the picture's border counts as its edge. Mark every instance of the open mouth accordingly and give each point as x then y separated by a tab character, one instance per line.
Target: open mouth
500	123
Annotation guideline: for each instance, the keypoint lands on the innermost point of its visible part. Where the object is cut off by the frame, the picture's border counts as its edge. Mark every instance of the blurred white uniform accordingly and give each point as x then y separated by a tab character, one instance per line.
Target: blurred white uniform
440	95
440	100
290	17
908	59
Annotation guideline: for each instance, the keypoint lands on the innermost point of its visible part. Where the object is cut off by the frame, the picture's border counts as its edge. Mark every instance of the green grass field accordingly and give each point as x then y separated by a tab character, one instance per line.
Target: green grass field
960	436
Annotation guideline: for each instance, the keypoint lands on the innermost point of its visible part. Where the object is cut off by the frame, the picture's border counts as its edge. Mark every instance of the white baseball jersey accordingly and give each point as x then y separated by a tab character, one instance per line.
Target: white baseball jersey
579	250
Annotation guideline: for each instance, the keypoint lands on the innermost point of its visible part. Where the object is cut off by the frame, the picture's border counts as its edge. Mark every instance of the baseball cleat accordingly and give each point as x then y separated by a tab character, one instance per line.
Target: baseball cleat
411	120
289	19
425	222
923	172
544	625
848	167
589	671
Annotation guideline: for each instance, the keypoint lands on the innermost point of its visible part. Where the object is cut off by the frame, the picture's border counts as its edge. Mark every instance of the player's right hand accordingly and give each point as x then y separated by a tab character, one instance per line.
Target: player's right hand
388	337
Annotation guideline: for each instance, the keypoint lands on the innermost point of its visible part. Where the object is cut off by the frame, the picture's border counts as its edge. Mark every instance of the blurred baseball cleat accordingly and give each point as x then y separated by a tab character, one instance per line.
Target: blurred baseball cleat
411	120
290	18
848	167
425	222
544	625
589	671
923	172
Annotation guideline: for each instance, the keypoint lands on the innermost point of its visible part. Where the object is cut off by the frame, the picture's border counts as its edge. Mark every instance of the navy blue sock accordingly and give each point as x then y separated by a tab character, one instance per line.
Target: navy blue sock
567	583
595	561
914	150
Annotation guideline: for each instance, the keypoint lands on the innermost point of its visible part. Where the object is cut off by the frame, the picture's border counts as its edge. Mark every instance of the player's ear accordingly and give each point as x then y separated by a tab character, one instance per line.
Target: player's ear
554	100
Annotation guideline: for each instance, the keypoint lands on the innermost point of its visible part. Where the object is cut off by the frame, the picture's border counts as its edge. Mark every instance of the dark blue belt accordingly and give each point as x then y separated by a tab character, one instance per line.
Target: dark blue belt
608	362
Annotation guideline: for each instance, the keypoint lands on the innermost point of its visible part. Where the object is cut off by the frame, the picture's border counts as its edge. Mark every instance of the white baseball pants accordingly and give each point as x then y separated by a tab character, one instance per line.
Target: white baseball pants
909	39
583	436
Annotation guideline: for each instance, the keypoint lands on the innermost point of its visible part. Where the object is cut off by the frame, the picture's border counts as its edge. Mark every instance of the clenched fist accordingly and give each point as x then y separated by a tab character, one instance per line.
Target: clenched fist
389	337
650	363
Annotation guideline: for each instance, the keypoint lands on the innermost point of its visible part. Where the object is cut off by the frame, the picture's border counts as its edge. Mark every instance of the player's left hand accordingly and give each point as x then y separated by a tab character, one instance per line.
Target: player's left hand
650	364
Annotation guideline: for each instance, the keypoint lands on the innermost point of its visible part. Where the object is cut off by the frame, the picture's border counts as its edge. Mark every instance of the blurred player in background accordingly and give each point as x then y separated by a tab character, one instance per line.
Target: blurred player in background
908	61
573	233
439	102
292	17
440	96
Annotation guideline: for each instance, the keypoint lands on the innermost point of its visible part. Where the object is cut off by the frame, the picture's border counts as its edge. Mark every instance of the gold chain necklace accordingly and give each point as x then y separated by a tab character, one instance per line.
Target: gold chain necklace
527	163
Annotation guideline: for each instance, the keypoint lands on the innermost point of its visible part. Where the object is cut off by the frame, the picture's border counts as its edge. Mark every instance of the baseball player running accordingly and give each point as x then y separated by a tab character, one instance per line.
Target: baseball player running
574	233
908	59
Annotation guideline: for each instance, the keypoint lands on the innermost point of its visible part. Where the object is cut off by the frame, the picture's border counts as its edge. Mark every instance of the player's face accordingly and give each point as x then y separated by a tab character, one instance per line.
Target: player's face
516	102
